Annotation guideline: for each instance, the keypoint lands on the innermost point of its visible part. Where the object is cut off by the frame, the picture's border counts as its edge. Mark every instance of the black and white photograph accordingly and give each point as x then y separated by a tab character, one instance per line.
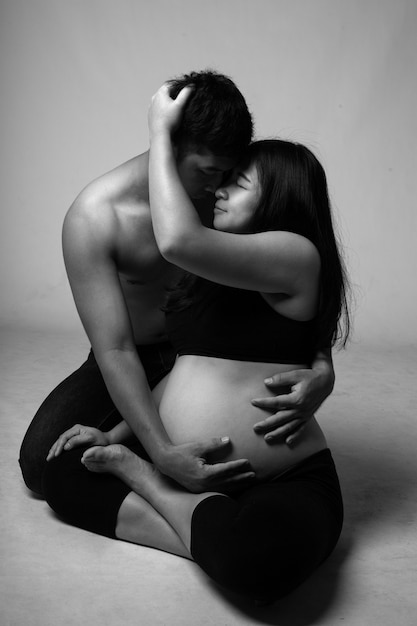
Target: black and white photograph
208	321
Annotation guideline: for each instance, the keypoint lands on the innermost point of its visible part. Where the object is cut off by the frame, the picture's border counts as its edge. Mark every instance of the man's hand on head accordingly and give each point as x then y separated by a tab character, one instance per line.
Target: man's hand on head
290	412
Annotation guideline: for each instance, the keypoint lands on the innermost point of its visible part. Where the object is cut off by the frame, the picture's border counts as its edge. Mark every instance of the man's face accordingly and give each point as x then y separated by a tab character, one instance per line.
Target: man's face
202	172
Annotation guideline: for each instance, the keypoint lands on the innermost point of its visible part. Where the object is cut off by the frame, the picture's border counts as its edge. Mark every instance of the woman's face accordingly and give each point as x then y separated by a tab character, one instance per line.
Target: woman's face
236	201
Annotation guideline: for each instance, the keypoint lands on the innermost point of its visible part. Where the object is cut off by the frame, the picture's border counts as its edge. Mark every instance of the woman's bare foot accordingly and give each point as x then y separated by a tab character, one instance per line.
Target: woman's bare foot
137	520
116	459
105	459
170	500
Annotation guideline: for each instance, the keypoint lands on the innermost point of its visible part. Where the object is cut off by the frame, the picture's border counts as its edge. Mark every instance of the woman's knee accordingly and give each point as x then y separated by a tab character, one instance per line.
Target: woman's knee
245	568
231	551
249	552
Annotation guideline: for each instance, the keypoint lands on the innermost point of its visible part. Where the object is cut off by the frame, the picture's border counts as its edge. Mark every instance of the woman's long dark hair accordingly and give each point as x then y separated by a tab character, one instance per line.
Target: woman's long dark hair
294	198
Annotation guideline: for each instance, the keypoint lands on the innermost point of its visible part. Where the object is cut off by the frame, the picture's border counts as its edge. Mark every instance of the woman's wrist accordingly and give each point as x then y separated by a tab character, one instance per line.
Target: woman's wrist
160	134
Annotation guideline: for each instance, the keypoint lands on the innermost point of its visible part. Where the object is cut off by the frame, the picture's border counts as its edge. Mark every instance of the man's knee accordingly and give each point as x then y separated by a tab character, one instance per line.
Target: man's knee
31	467
59	481
82	498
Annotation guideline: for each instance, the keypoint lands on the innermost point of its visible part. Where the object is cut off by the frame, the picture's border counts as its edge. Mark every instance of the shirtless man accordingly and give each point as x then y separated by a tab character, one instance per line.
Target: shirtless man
119	282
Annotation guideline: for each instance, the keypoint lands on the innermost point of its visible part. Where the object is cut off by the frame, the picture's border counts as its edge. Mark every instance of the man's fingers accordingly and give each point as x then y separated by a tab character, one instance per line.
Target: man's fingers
284	379
51	452
67	438
56	449
230	468
284	432
213	444
59	445
292	439
274	421
62	441
68	434
77	440
247	477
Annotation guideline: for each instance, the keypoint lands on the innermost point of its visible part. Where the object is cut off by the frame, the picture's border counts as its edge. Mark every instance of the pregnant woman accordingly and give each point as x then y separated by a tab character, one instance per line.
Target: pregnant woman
264	289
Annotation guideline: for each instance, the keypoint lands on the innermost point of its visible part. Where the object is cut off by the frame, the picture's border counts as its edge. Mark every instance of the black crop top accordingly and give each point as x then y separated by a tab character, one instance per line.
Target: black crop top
237	324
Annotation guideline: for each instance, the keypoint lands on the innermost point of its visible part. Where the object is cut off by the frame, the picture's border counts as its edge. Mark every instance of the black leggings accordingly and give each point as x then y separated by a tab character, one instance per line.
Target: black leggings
266	541
82	398
262	542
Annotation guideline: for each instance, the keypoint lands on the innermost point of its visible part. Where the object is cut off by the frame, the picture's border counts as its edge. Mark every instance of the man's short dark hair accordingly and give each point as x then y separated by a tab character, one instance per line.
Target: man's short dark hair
216	116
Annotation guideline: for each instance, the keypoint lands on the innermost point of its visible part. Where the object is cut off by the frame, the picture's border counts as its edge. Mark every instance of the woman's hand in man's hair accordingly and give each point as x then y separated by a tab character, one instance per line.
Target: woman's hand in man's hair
164	113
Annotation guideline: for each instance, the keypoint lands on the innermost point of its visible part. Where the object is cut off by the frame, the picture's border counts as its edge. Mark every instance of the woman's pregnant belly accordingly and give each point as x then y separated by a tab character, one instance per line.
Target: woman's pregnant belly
208	397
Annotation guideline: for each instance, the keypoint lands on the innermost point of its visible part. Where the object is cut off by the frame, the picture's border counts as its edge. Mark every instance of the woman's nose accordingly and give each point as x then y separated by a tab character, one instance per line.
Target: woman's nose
221	193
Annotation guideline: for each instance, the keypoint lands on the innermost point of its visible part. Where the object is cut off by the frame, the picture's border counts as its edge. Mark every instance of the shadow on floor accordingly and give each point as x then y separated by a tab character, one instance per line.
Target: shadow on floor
307	604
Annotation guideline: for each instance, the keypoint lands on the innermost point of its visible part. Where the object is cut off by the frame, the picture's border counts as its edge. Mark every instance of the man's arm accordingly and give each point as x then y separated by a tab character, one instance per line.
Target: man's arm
88	244
309	389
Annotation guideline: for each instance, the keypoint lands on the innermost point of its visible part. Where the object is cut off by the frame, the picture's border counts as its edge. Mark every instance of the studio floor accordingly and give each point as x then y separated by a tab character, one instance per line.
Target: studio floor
54	574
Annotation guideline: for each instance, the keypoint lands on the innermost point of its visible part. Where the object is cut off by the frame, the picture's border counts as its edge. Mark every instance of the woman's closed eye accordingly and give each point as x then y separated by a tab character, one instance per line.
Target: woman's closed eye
240	183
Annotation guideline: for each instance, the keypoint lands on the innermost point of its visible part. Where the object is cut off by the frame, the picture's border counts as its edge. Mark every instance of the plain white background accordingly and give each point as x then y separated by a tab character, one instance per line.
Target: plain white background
77	77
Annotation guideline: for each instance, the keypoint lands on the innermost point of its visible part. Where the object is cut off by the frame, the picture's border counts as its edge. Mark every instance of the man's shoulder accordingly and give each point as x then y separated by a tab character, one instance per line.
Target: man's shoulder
110	219
92	208
107	198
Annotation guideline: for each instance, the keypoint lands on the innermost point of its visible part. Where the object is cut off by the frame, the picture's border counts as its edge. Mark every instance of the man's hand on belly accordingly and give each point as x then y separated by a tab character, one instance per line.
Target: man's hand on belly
293	410
187	465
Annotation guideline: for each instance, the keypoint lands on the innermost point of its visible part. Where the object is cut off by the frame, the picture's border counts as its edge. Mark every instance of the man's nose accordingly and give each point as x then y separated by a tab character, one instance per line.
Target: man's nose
221	193
214	182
